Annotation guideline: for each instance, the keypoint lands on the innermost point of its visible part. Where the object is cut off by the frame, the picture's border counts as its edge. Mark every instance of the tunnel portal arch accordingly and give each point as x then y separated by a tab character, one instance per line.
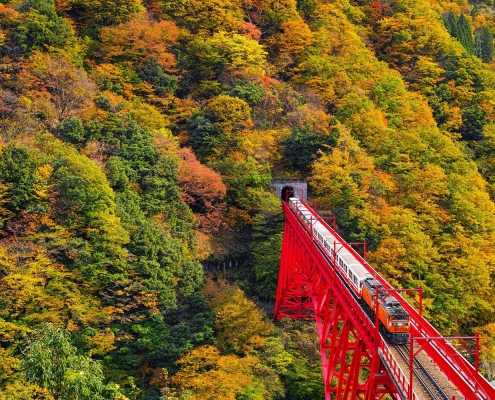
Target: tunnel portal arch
282	186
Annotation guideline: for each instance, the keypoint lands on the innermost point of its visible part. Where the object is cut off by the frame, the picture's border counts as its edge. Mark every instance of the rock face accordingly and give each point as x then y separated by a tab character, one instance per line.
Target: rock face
283	186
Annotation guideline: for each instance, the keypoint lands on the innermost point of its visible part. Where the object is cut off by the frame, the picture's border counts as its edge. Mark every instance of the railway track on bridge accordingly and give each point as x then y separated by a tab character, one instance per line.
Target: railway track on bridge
423	378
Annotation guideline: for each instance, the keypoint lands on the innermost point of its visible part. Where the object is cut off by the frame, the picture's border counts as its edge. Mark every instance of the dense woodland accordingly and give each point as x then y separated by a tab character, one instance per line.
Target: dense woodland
137	142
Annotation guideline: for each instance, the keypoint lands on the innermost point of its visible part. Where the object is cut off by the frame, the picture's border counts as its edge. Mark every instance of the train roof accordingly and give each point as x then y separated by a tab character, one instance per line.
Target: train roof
372	283
350	259
390	303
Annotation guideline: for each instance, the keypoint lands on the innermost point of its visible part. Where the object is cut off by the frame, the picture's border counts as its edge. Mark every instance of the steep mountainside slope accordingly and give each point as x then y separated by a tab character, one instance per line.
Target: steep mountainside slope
137	141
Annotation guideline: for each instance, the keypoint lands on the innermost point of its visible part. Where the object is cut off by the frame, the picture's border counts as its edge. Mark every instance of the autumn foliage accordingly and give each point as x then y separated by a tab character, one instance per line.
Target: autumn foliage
137	143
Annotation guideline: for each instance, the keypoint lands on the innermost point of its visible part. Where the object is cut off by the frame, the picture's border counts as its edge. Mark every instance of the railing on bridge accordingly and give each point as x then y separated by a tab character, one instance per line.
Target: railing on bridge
299	248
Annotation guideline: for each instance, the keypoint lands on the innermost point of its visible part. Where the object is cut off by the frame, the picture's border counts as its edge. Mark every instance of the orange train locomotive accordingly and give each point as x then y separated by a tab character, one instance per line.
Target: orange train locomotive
391	314
352	270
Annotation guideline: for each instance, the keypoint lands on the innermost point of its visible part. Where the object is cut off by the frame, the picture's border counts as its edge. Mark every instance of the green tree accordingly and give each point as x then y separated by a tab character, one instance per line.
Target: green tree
249	92
266	245
304	146
154	74
53	363
245	181
72	130
483	43
460	28
203	135
17	166
92	15
465	35
41	27
451	22
473	121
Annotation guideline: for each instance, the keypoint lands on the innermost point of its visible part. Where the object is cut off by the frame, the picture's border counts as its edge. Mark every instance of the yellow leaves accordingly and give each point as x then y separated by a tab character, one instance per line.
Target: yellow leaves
44	172
232	114
311	119
389	258
148	116
108	227
431	73
102	342
262	145
341	175
237	53
5	197
9	363
210	375
239	322
21	389
487	347
41	187
207	16
37	290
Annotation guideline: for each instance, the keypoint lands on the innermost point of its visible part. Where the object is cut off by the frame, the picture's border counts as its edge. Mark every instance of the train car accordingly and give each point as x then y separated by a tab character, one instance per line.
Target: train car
390	312
351	269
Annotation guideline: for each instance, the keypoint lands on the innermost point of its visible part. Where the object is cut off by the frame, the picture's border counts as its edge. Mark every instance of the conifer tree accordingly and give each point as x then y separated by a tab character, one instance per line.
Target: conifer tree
483	43
460	29
465	36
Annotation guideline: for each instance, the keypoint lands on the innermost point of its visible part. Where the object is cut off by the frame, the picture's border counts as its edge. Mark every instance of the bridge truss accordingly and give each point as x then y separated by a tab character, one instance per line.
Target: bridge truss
357	363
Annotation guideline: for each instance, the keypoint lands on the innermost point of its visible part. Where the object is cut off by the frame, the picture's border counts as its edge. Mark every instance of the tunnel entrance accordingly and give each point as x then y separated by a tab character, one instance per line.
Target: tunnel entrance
282	187
287	192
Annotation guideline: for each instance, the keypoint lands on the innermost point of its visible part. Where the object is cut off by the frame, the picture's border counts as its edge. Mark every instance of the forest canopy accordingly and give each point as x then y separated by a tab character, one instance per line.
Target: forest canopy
139	238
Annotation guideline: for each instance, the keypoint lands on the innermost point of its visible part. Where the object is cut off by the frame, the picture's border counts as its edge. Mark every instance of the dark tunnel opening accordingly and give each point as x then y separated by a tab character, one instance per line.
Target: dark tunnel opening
287	192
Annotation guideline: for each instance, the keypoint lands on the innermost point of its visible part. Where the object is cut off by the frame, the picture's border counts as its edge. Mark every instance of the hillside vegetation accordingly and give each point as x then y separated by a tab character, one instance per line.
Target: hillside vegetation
137	141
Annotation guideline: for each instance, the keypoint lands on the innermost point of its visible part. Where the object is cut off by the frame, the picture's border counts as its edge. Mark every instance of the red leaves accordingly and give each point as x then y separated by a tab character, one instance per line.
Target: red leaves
204	191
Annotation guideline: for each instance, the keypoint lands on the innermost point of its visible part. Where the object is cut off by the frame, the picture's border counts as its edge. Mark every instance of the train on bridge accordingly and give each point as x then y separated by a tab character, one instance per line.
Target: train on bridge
393	318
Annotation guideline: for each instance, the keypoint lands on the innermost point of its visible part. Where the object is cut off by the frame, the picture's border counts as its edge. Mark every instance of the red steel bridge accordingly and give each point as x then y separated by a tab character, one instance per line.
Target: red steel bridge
357	362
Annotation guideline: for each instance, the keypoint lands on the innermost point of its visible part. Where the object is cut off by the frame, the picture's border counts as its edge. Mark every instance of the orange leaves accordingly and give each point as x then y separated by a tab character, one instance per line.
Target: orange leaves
377	10
57	89
202	187
203	190
7	14
297	37
250	30
140	39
